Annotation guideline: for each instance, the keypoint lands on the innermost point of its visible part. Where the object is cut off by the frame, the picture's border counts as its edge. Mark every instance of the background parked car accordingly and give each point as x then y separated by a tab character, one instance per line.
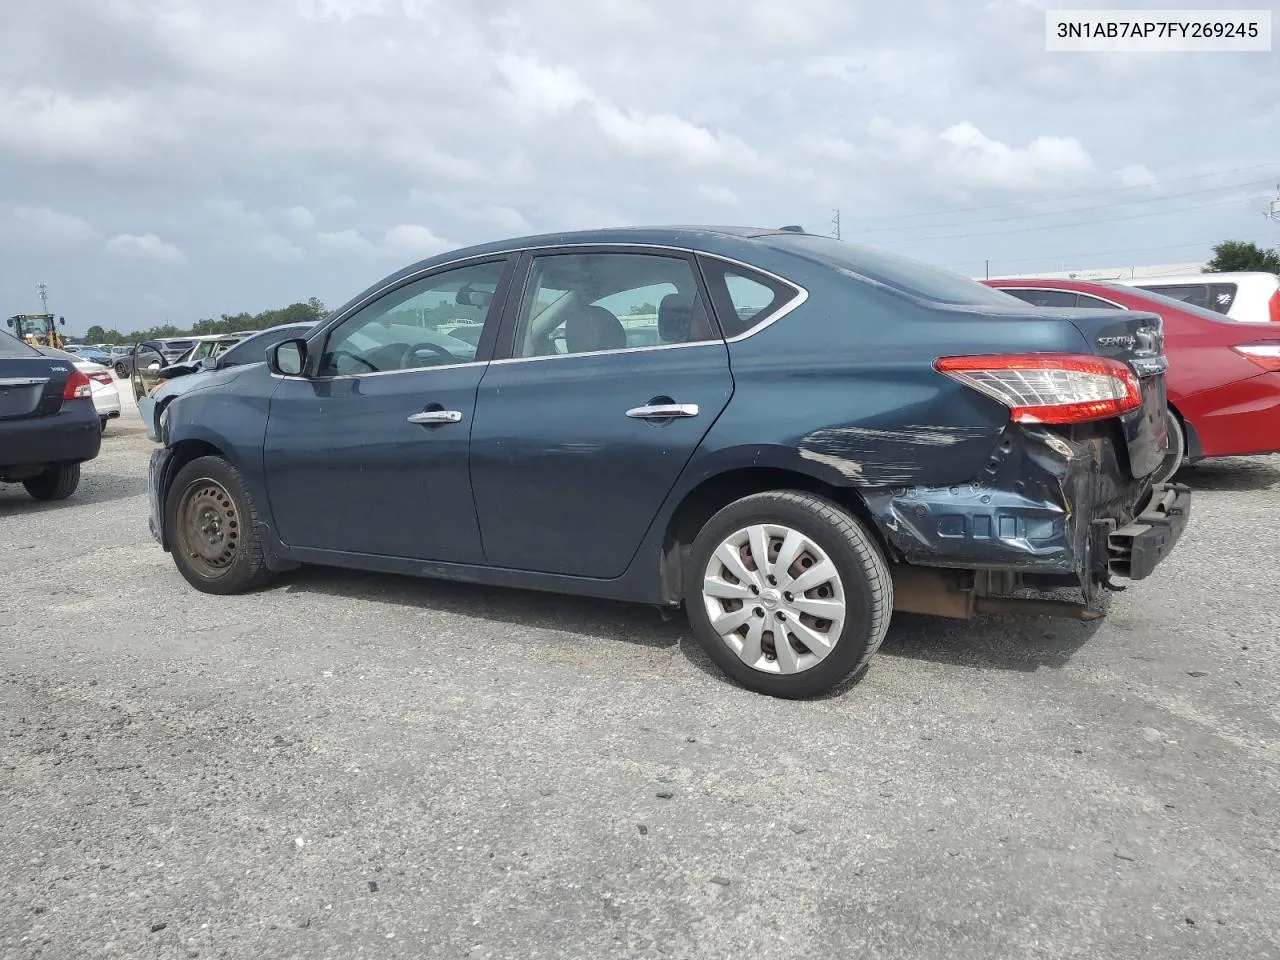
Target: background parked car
48	424
1224	376
92	354
106	395
148	354
1248	297
178	378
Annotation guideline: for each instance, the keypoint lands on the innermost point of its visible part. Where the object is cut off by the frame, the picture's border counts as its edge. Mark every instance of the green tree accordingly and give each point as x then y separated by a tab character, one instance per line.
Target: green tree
95	334
308	312
1238	255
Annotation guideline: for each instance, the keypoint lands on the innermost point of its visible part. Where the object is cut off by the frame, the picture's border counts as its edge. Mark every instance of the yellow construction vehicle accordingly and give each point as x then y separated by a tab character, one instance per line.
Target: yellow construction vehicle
38	329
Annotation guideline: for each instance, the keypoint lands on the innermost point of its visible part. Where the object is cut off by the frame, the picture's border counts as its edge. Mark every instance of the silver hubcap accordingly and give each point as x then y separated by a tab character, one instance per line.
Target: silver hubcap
775	598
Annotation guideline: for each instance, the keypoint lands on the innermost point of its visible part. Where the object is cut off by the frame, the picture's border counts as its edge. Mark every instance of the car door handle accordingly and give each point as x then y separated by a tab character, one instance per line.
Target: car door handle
663	411
435	416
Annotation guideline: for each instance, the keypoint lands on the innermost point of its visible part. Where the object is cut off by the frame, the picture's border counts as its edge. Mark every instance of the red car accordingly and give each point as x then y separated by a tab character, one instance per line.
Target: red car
1223	379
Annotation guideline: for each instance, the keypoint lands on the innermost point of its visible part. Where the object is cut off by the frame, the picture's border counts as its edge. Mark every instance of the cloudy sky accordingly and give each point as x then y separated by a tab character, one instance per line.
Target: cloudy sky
174	159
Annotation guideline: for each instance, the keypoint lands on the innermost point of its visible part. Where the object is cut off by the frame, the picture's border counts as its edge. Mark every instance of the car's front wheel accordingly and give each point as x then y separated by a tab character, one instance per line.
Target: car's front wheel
121	371
211	516
55	483
788	593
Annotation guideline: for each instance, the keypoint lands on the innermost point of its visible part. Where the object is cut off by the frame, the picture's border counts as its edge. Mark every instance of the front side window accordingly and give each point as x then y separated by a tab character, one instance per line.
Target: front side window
591	302
403	329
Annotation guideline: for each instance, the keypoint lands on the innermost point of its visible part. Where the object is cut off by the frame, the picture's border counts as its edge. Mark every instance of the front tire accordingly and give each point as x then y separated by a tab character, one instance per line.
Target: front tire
212	518
121	372
56	483
788	593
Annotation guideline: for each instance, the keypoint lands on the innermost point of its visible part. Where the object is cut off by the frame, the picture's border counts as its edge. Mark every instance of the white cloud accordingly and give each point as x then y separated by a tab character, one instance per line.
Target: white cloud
252	134
714	193
414	240
50	226
344	243
272	246
146	246
299	217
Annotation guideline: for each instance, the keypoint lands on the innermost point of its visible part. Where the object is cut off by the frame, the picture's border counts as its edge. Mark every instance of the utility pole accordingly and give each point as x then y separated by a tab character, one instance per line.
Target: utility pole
988	269
835	225
43	291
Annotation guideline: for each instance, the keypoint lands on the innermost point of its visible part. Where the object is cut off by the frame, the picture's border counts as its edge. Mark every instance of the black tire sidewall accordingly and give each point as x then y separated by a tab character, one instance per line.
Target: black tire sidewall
244	573
855	577
56	483
1178	435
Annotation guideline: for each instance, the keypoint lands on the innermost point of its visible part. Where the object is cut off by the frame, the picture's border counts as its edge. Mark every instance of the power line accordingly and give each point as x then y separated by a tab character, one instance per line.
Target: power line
1102	253
1104	206
1068	196
1056	226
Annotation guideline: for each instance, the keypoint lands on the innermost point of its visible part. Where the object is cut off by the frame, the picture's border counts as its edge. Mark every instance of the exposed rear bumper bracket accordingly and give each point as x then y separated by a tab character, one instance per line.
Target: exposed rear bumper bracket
1135	549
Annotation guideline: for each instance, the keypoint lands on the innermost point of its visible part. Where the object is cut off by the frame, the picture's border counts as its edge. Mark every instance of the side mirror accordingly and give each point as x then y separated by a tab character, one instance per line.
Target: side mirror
287	358
154	366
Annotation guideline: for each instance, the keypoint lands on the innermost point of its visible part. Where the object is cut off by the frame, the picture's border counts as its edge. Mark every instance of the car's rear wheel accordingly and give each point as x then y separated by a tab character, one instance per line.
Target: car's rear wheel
55	483
1177	454
102	422
212	518
788	593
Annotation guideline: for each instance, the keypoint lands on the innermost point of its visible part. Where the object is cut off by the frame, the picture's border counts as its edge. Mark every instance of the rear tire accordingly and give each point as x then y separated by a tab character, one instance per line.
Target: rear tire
103	422
212	522
1177	455
56	483
831	626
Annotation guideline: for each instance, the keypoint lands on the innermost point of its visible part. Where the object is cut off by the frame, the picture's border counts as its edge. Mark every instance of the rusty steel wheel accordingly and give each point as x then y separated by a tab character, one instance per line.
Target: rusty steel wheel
208	528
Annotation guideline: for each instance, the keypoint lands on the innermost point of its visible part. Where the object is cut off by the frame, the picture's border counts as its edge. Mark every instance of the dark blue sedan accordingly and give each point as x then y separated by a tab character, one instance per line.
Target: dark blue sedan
789	435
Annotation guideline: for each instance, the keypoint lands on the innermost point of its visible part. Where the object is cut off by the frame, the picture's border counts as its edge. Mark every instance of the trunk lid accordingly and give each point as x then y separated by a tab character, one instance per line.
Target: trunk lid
31	386
1135	338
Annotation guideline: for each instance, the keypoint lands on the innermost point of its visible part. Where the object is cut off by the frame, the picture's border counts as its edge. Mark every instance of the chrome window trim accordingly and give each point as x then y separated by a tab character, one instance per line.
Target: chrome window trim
717	342
801	293
383	373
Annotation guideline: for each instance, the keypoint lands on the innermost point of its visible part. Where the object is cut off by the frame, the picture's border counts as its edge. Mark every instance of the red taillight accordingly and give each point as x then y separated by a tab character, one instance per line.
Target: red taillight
1275	307
77	387
1050	387
1265	355
102	377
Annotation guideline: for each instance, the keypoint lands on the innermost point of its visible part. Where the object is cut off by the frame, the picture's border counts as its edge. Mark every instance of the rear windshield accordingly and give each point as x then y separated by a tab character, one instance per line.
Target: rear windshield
900	273
1159	299
13	347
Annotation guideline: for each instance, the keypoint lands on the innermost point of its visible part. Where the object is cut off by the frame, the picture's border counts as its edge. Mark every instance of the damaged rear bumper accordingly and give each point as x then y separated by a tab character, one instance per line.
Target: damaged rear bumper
1049	509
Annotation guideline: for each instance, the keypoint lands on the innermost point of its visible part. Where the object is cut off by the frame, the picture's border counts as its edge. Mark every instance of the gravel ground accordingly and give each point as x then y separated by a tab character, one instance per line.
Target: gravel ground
351	765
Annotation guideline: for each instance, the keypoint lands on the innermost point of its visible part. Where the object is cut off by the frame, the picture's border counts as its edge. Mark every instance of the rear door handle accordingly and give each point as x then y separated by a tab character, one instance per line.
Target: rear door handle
435	416
663	411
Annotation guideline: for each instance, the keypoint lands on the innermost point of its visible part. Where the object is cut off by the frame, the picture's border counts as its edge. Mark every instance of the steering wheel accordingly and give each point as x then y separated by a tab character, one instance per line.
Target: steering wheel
407	359
333	356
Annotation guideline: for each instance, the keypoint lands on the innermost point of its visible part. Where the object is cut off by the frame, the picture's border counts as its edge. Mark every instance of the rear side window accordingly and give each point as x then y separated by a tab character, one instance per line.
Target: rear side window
1044	298
743	298
1093	303
1221	296
13	347
1196	294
